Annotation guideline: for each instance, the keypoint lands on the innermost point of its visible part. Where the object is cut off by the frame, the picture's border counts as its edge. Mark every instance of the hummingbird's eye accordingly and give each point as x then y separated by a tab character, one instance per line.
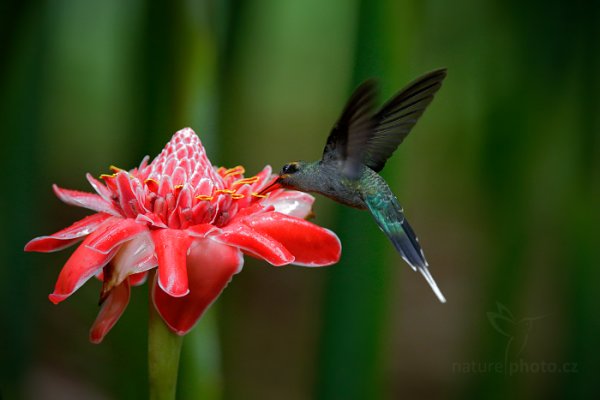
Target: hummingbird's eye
289	168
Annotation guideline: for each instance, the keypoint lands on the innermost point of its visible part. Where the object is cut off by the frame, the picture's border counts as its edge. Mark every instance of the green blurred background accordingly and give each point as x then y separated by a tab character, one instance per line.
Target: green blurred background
501	180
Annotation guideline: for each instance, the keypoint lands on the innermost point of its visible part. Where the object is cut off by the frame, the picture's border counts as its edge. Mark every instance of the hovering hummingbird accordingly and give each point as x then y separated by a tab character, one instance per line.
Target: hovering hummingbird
357	148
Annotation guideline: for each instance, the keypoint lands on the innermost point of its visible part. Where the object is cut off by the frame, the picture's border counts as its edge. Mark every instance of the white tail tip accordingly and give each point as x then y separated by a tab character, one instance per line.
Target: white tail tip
425	272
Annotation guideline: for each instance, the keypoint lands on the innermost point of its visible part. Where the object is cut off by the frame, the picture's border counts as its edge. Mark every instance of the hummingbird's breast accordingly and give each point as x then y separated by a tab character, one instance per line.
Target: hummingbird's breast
334	184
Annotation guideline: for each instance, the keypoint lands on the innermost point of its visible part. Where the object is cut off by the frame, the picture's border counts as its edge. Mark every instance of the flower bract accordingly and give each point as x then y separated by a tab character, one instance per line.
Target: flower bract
189	220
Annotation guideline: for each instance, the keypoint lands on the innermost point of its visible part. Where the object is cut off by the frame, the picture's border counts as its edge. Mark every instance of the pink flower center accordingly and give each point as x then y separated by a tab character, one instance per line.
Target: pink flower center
184	162
180	187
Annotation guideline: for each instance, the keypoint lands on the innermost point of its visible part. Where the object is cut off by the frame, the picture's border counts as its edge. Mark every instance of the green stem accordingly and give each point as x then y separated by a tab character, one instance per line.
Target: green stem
164	348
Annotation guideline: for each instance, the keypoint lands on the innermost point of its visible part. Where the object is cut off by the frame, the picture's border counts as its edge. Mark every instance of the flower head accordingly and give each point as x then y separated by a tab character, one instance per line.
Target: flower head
189	219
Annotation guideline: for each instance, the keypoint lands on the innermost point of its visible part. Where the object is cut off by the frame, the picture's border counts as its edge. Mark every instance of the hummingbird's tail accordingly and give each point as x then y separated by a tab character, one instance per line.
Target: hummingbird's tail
425	272
390	218
409	248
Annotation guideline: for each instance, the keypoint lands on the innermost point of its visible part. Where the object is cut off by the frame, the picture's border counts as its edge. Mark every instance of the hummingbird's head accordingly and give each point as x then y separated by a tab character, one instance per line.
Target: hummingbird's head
291	175
295	175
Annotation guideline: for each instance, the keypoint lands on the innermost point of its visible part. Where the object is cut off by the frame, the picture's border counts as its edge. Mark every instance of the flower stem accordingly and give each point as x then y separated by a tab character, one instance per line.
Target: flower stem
164	348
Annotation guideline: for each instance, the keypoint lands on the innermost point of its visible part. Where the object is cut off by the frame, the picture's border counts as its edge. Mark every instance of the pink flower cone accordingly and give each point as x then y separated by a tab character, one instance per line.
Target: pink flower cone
191	221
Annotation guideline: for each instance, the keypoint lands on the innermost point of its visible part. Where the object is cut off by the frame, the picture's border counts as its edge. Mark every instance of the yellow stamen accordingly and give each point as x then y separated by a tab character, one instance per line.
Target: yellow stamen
204	197
115	169
106	176
225	191
262	196
237	196
239	170
151	180
245	181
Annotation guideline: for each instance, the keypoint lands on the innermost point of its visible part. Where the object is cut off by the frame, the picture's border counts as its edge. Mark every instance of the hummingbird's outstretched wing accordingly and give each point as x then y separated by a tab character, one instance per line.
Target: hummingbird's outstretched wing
390	218
347	140
397	117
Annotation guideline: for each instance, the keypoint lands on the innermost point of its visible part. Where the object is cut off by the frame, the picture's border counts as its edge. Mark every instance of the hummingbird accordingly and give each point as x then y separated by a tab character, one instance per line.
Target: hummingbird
357	148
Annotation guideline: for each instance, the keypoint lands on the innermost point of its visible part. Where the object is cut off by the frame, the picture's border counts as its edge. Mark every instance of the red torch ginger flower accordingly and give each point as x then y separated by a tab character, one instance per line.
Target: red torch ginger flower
192	221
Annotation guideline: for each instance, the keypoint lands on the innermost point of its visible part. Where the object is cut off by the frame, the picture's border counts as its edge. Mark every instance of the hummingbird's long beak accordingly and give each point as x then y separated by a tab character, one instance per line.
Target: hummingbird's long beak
276	184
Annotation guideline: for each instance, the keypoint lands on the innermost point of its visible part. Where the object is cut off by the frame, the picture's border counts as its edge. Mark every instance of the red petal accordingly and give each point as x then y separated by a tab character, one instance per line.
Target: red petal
138	279
82	265
152	219
255	244
171	246
133	257
264	177
310	244
110	182
67	236
111	311
211	266
99	187
201	230
126	192
85	200
253	209
115	234
144	163
291	202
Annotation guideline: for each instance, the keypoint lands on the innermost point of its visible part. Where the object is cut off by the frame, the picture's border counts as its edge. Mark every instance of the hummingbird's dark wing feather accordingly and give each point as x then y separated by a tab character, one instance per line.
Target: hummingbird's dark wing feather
390	218
397	117
347	140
